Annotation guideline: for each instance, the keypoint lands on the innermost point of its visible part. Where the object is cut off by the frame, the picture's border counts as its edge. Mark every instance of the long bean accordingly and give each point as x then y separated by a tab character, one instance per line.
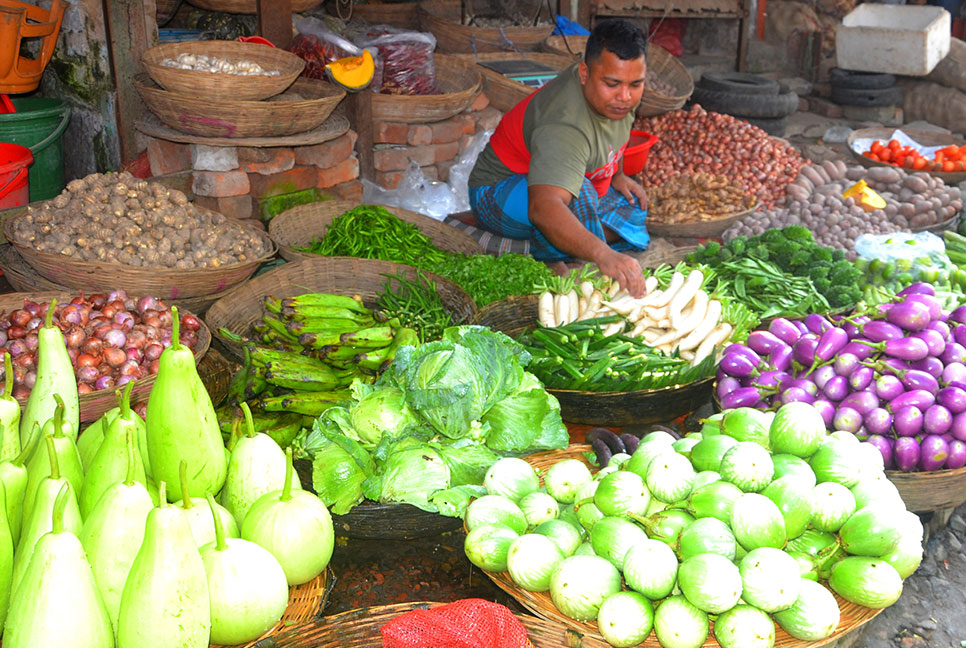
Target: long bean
416	304
767	290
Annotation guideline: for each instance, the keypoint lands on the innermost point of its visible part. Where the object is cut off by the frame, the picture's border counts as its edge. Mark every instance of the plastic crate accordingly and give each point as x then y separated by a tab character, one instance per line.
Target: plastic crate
896	39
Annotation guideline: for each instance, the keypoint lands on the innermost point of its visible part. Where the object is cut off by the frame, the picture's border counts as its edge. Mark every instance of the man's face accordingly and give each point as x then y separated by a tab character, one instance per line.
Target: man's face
613	87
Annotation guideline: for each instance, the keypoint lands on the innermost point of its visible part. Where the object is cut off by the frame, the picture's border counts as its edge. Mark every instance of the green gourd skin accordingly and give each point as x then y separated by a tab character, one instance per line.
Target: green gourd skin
68	460
10	445
165	598
39	521
59	604
182	424
257	466
110	464
295	527
55	375
6	557
113	534
13	475
200	517
246	586
92	436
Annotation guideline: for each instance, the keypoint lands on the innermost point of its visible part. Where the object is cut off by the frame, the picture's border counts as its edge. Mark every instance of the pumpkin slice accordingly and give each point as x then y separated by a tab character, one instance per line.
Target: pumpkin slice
353	73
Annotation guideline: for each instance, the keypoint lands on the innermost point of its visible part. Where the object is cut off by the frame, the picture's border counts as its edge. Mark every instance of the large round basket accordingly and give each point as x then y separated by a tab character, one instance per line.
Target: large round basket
223	86
300	226
502	91
167	283
304	106
360	628
517	314
242	308
459	82
930	491
852	615
697	229
924	137
442	18
305	603
94	404
248	6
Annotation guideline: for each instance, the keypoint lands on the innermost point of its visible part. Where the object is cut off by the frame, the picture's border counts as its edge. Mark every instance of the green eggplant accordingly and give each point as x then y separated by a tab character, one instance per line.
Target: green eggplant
13	475
55	376
165	598
9	415
90	439
38	522
110	464
257	466
200	516
113	533
59	604
68	459
182	424
6	557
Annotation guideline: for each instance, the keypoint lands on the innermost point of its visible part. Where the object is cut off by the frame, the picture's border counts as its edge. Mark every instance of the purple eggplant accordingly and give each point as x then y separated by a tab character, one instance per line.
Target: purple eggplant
862	402
933	452
894	364
796	394
957	315
879	331
727	385
953	372
884	446
909	315
954	352
958	428
738	363
847	419
784	330
763	342
830	343
781	358
888	387
845	364
959	334
918	398
745	350
877	420
905	453
933	339
741	397
915	379
800	325
861	378
937	420
907	348
957	455
771	379
907	421
836	388
816	323
942	328
826	409
821	375
803	351
851	329
918	288
802	383
930	364
952	398
934	305
857	348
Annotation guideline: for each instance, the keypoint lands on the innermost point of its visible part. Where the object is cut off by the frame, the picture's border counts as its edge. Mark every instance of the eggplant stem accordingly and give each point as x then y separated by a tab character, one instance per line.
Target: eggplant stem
289	469
249	421
52	455
183	474
60	505
220	543
129	477
175	329
8	375
49	319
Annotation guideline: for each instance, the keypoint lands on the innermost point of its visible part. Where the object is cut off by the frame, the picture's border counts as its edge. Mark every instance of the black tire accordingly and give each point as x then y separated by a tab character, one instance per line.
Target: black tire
869	98
741	105
774	127
860	80
739	83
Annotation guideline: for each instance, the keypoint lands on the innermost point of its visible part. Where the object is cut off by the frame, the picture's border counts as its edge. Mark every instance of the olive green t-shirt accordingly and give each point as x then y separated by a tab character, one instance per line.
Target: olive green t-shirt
566	138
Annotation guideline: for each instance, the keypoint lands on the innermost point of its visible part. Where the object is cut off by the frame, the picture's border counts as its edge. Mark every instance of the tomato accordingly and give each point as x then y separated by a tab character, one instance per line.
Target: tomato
894	144
886	154
920	163
876	147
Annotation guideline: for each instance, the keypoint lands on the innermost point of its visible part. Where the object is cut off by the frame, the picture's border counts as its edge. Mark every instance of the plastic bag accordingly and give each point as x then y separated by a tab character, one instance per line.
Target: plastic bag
459	173
318	46
922	255
406	60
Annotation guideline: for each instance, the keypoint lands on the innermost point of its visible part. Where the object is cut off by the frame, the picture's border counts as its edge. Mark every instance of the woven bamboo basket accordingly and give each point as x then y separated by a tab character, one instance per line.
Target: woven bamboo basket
305	105
248	6
223	86
459	82
697	229
305	602
94	404
924	137
215	372
502	91
396	14
167	283
23	278
299	226
930	491
242	308
517	314
569	46
442	18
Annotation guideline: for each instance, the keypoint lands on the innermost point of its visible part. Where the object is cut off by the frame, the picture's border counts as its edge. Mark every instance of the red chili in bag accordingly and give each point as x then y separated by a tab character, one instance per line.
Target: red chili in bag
316	53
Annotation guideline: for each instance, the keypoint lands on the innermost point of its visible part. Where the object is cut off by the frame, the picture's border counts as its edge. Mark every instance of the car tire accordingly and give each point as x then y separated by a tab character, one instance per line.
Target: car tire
860	80
742	105
739	83
870	97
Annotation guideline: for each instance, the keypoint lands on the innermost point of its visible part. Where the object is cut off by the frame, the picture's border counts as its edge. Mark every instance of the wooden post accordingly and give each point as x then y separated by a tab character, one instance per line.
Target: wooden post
275	21
359	112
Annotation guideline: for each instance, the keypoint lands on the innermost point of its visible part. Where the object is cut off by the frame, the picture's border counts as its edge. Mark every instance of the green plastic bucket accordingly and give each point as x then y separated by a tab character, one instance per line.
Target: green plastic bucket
39	124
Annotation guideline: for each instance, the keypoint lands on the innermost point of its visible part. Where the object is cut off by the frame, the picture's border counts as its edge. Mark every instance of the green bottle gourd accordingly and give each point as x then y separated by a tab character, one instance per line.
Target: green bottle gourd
110	464
295	527
114	531
91	437
59	604
68	459
257	466
6	557
13	475
55	376
38	522
246	586
10	445
182	424
200	518
165	598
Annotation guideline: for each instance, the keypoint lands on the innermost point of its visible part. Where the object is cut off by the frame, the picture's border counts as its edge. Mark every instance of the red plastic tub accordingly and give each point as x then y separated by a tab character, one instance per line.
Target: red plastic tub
635	155
14	160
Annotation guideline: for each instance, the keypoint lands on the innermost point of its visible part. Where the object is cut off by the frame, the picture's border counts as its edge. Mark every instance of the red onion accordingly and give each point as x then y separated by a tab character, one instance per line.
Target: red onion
29	379
153	321
20	317
136	338
21	392
35	322
93	346
135	354
190	322
115	338
118	294
82	388
16	332
141	409
115	357
188	338
16	347
147	304
125	319
78	300
75	336
31	307
166	318
154	366
108	311
87	360
27	360
152	332
73	353
97	300
32	341
101	331
3	338
130	304
104	382
166	339
123	380
86	374
130	368
153	351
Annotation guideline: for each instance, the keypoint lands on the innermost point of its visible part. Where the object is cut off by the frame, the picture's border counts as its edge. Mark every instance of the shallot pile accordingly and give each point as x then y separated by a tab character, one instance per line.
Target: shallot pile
111	339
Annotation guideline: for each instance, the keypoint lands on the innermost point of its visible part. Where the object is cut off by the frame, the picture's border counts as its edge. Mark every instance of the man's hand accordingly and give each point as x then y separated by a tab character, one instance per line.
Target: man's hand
630	189
625	269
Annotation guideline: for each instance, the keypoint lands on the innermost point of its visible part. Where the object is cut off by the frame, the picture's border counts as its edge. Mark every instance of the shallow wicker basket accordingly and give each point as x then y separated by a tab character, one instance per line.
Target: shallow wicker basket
218	85
697	229
305	105
242	308
924	137
94	404
442	18
248	6
930	491
305	603
502	91
459	83
517	314
299	226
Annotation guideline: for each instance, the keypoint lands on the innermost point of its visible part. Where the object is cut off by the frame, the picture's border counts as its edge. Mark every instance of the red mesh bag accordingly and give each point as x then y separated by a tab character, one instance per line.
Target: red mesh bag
467	623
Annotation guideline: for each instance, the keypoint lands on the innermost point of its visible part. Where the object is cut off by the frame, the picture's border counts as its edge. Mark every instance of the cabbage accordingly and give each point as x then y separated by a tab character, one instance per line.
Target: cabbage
378	412
452	502
511	477
580	584
467	462
527	419
337	478
625	619
412	472
531	561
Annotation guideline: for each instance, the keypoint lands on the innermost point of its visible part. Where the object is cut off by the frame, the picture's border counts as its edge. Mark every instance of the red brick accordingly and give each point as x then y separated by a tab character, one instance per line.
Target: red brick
328	154
824	107
388	179
481	102
389	132
295	179
238	207
265	161
218	184
446	131
488	118
344	171
166	157
396	159
446	152
465	141
419	135
467	123
351	190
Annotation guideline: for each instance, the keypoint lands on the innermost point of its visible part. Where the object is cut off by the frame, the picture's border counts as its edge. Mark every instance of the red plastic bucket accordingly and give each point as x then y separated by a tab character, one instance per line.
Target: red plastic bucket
635	155
14	160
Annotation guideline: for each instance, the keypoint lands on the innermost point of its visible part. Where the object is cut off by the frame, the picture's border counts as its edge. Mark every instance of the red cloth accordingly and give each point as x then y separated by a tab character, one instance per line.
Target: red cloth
467	623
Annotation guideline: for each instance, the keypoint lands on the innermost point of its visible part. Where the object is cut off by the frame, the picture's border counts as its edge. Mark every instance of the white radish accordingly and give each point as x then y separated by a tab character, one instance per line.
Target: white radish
687	292
621	306
612	329
656	314
652	297
613	289
650	285
586	289
561	309
699	306
545	313
677	280
581	307
573	301
707	324
717	336
687	355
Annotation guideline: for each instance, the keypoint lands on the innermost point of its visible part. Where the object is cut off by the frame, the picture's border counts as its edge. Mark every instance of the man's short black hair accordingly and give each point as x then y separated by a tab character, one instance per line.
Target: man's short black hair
622	37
